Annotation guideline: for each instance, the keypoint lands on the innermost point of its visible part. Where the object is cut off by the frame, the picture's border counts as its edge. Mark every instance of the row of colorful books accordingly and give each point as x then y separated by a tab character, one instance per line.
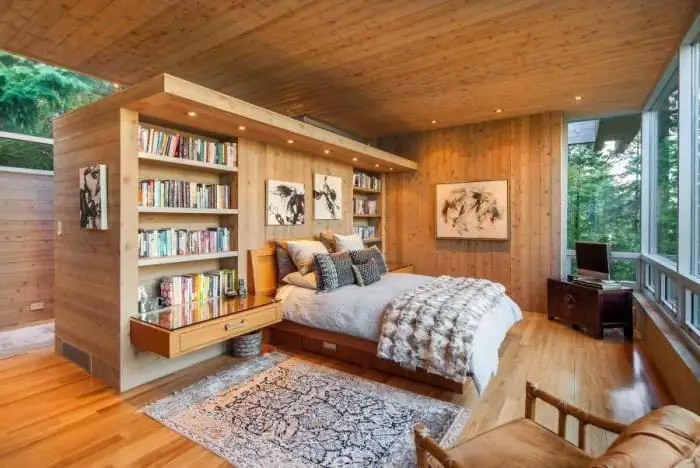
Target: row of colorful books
170	242
183	194
366	181
174	145
197	287
364	206
365	232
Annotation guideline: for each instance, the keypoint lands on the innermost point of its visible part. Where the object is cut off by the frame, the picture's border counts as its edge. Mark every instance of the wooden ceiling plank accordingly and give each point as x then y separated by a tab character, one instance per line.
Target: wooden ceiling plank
15	17
47	15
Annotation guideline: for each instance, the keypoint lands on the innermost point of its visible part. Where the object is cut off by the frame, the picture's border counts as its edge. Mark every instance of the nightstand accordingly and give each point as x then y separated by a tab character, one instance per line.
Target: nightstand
181	329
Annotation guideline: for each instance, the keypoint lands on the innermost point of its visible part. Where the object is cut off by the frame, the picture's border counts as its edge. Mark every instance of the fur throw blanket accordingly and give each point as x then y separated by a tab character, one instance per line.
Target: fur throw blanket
433	325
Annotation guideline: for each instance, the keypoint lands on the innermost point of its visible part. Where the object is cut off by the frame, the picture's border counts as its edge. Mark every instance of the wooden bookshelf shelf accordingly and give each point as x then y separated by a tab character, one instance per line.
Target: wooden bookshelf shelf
373	240
366	191
192	211
198	165
143	262
366	215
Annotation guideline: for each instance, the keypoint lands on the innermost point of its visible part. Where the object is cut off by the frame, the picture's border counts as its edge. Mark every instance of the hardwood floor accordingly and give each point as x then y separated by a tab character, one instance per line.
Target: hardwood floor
53	414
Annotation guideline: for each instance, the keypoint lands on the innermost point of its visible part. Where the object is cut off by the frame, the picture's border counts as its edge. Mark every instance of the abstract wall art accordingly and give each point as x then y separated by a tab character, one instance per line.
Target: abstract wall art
285	203
328	197
473	210
93	197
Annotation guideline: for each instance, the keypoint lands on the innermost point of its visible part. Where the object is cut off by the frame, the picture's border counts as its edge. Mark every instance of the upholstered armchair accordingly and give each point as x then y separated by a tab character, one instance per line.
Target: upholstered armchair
666	437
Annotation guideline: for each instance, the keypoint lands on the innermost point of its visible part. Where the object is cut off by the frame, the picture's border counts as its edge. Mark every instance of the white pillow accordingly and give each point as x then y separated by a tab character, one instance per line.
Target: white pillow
351	242
307	281
302	253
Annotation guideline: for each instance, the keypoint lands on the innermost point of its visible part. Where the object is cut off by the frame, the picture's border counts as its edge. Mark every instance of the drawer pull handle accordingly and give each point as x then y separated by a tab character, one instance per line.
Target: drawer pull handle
234	326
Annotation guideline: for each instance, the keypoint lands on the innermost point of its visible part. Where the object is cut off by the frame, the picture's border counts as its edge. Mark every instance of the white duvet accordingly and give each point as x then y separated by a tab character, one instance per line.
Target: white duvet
358	311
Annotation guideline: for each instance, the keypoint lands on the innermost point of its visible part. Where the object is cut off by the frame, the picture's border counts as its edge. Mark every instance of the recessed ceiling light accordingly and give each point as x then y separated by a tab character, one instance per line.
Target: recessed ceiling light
326	151
391	168
241	128
578	98
376	165
354	159
290	141
499	110
116	85
433	121
192	114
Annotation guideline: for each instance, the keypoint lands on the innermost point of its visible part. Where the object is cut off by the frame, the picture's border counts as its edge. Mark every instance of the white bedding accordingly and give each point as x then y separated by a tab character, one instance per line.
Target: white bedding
357	311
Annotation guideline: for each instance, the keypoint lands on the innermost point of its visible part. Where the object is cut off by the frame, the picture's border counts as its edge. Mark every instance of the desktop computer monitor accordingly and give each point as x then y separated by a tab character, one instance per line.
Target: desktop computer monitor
593	260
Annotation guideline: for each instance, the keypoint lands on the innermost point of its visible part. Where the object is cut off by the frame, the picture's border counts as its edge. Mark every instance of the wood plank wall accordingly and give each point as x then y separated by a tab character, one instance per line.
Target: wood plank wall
26	245
528	152
87	276
260	162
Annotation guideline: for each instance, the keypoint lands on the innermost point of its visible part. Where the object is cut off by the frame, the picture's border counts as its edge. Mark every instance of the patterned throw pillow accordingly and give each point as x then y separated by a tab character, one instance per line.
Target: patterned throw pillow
326	274
285	265
307	281
363	256
302	253
343	268
366	273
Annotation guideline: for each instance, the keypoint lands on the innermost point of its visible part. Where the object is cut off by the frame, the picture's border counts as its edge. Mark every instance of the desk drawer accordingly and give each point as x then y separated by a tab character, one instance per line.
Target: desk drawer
223	329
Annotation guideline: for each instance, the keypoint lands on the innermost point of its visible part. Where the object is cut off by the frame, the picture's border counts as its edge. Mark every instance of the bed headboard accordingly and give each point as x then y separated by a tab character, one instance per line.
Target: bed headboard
262	271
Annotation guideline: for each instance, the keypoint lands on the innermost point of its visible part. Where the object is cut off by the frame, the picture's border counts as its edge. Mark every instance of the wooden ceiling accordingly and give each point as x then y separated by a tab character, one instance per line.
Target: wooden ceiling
371	67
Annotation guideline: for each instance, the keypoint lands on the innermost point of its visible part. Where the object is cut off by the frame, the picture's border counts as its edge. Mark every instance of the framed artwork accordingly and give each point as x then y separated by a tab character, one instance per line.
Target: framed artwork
285	203
473	210
93	197
328	197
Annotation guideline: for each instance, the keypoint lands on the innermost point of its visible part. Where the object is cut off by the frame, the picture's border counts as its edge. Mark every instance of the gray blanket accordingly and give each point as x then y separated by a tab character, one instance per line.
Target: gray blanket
433	326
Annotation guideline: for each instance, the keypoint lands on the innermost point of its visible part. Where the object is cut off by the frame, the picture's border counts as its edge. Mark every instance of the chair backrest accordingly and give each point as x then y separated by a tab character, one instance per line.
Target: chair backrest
666	437
425	446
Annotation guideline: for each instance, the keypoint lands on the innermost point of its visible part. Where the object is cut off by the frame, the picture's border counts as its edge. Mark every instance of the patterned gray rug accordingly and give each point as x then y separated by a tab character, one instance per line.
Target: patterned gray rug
25	339
274	410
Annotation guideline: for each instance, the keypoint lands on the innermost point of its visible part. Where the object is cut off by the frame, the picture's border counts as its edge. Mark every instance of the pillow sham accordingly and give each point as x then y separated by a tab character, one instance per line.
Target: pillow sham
302	253
351	242
363	256
328	240
285	265
366	273
326	274
307	281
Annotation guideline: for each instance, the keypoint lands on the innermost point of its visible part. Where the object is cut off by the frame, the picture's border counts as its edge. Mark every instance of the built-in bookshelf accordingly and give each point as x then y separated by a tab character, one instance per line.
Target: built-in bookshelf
367	207
187	208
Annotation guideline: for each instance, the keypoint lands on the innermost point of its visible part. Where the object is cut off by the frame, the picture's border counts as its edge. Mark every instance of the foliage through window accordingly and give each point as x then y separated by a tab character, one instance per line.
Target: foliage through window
667	153
31	95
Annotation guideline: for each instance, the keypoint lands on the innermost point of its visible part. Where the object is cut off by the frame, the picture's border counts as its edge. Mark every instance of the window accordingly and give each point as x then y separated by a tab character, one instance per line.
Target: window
649	278
604	185
666	180
694	318
31	95
669	293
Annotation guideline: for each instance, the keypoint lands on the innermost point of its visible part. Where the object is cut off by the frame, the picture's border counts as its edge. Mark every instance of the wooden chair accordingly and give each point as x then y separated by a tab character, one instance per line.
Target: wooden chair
662	438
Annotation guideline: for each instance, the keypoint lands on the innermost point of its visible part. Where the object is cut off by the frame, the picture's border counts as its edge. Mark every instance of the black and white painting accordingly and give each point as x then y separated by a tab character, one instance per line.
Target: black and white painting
93	197
473	210
285	203
328	197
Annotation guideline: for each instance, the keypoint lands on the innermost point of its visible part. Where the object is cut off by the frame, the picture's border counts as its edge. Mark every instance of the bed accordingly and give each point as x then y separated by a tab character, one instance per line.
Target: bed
346	323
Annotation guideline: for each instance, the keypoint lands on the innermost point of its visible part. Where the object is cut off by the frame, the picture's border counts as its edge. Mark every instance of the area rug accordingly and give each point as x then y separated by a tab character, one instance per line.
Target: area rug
25	339
275	410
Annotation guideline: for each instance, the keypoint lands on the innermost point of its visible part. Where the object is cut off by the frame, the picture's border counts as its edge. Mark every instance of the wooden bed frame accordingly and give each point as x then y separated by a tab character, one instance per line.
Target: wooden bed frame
262	279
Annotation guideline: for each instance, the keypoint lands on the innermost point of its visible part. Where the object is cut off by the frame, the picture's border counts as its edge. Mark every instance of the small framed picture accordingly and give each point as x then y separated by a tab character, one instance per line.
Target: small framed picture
93	197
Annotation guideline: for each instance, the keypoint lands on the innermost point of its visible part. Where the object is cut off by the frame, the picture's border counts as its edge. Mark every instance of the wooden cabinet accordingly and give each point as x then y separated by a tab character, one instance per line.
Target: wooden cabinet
589	309
170	339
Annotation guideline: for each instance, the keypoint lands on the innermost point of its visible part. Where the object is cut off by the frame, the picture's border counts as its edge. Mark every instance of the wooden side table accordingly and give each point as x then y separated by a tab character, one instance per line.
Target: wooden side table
395	267
589	309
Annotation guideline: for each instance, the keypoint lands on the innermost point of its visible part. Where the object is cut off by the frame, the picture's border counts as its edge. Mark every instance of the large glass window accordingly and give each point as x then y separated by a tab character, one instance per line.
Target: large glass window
667	153
604	189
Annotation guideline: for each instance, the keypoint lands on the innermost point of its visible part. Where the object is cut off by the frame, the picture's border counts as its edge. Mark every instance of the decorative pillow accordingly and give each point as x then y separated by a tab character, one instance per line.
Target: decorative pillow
326	274
343	268
351	242
285	265
328	240
366	273
363	256
302	253
307	281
